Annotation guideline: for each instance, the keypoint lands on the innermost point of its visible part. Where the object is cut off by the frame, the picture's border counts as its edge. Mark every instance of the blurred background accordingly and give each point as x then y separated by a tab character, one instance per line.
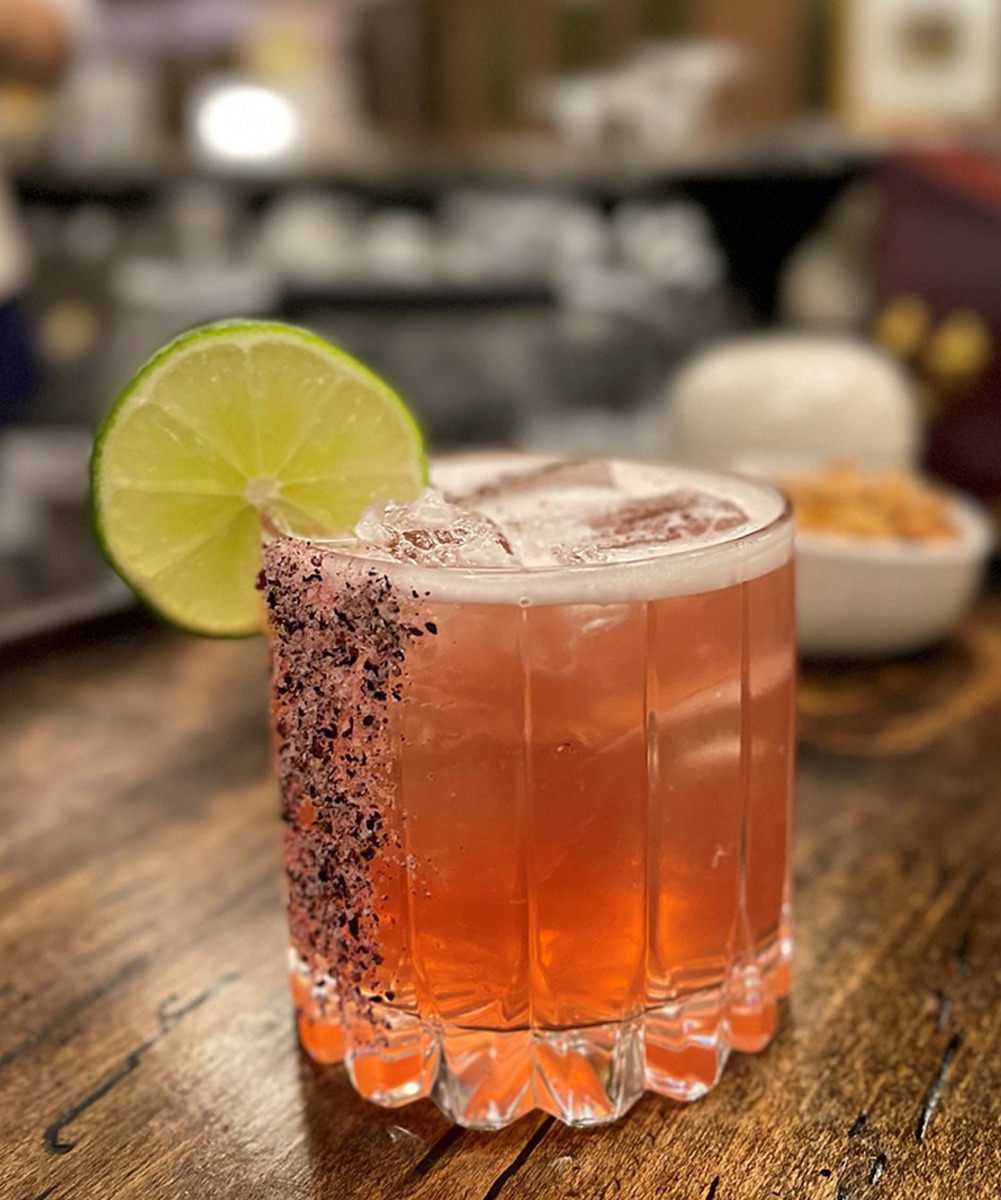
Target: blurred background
528	215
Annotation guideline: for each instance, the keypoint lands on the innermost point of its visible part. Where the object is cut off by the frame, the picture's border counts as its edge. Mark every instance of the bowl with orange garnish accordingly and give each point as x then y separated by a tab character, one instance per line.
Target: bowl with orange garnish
887	563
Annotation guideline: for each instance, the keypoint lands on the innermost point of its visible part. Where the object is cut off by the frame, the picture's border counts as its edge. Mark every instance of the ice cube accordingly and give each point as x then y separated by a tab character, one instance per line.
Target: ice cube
432	532
647	523
550	477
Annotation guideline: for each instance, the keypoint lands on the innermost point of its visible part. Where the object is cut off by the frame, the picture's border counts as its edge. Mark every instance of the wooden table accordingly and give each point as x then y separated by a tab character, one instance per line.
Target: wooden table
146	1043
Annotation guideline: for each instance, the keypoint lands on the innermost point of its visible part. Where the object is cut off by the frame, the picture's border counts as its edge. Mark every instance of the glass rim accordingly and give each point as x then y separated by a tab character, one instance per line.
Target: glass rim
669	561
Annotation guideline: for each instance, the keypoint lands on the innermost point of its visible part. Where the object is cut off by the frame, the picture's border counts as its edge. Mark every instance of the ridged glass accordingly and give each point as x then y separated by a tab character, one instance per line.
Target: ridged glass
538	853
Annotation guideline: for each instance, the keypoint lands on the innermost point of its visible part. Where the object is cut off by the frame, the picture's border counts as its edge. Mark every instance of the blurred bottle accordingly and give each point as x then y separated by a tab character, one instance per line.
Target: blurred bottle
37	41
453	71
305	50
109	116
940	243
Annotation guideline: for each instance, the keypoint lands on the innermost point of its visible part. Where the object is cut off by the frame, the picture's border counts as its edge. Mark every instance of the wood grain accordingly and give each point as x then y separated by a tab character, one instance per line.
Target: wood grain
146	1041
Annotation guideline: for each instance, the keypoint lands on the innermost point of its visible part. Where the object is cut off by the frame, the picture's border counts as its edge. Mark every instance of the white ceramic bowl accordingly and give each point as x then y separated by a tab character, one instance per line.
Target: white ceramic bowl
865	597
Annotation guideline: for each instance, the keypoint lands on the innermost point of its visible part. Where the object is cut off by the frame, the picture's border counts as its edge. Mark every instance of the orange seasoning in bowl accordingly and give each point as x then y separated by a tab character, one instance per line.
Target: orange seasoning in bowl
845	500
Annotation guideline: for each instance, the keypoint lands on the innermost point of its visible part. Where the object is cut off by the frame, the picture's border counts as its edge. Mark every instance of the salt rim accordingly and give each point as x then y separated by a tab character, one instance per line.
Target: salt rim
672	570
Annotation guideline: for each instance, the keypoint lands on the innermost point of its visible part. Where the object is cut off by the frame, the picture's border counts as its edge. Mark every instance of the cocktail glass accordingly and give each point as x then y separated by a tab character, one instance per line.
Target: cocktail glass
537	816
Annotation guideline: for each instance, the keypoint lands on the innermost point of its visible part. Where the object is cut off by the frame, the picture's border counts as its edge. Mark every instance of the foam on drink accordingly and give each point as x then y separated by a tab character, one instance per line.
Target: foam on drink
508	529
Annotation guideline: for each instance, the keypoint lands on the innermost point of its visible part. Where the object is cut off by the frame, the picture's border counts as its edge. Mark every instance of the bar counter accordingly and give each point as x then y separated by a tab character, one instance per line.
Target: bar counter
147	1047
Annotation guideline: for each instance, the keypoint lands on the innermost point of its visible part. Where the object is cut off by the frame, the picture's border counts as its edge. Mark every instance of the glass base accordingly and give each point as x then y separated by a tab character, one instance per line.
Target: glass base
485	1079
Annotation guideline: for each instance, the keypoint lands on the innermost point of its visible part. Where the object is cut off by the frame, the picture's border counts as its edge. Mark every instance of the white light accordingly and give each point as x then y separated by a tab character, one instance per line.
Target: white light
240	122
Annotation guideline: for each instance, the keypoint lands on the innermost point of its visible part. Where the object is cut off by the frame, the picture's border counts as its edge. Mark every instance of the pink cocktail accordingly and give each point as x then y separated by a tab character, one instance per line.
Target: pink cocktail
535	740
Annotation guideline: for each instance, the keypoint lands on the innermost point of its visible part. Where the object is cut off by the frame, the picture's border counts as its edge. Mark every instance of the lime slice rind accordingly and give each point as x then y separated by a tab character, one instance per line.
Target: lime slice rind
234	420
